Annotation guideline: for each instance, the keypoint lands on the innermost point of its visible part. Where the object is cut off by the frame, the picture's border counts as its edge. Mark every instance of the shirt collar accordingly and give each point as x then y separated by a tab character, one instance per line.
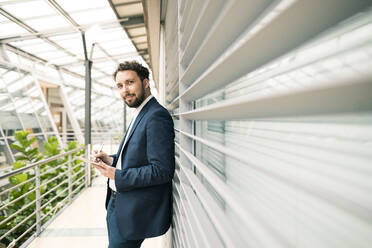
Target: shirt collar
139	108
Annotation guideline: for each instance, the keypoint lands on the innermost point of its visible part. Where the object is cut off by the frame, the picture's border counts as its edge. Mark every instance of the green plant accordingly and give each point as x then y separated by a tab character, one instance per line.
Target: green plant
27	153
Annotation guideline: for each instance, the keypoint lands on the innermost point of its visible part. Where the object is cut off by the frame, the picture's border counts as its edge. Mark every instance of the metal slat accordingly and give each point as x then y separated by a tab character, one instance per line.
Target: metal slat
203	226
232	199
258	38
221	21
188	221
356	93
180	219
293	157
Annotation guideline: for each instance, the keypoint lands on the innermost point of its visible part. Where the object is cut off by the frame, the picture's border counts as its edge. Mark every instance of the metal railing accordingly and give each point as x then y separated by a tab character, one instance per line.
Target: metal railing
29	206
110	139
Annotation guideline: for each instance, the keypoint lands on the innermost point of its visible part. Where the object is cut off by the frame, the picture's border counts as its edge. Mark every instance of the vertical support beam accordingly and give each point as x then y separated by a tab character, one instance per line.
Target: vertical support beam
38	204
87	124
88	87
88	92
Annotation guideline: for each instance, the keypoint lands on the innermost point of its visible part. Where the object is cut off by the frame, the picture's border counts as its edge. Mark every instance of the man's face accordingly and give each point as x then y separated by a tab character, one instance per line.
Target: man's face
131	88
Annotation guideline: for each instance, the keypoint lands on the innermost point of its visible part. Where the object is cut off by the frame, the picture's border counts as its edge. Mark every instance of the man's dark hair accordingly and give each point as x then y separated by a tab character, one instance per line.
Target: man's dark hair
141	71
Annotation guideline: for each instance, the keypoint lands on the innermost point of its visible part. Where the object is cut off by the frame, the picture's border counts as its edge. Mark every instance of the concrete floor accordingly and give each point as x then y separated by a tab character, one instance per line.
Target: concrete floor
83	223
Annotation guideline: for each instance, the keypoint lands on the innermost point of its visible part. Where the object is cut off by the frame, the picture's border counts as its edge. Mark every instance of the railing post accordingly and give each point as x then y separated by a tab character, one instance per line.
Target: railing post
38	203
69	179
87	167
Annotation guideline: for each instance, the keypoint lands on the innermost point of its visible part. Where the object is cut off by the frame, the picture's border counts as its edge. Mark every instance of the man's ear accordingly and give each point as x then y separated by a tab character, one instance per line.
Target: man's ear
147	83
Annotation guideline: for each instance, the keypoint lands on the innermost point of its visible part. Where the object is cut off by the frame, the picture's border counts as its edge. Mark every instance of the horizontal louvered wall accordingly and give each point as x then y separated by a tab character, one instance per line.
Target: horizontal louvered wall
272	104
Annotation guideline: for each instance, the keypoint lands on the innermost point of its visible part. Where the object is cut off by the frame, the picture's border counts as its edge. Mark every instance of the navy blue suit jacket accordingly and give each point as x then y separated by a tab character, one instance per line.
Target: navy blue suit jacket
144	184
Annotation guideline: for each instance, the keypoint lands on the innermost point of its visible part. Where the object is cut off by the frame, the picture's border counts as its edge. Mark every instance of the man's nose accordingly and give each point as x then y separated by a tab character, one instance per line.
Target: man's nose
124	89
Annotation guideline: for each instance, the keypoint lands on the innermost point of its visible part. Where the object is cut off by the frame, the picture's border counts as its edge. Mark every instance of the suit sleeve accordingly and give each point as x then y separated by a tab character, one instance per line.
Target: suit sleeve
114	159
160	154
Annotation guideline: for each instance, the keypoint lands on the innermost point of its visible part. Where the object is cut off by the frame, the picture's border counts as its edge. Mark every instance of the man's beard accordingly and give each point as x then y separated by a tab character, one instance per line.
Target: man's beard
139	99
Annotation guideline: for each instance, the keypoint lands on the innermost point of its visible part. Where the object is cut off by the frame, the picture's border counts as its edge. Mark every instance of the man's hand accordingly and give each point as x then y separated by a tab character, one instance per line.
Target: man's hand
101	156
106	170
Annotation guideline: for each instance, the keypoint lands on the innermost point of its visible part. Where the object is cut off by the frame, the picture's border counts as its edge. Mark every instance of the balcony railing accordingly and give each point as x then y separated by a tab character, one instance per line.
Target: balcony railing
39	192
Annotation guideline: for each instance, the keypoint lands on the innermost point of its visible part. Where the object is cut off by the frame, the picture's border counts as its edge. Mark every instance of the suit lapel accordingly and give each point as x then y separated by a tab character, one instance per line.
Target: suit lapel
139	117
120	147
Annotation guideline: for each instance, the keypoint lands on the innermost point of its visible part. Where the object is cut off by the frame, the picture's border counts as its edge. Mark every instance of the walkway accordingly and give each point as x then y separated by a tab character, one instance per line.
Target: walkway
83	223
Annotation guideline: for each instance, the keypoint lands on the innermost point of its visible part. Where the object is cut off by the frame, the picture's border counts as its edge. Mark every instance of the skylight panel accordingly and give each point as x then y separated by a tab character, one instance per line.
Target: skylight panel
10	76
3	72
109	82
30	42
96	73
116	34
37	47
29	9
108	69
23	105
76	94
9	106
51	55
122	51
64	60
37	106
20	84
99	15
66	37
47	23
107	64
73	46
67	78
33	92
97	53
117	43
73	5
137	58
100	88
10	29
50	70
78	70
74	43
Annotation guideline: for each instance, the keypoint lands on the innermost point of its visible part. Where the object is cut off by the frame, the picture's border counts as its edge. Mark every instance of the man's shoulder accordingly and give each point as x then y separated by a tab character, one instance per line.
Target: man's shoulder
157	111
157	107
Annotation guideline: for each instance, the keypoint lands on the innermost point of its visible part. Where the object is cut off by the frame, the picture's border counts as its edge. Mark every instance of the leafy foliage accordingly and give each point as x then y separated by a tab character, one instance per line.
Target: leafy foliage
27	153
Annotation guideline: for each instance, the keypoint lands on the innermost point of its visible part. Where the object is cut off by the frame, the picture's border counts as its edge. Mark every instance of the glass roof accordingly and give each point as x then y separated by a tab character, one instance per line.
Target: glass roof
45	37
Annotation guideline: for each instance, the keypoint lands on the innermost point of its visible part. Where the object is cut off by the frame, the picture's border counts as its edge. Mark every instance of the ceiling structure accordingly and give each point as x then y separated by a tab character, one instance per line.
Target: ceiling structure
131	16
45	38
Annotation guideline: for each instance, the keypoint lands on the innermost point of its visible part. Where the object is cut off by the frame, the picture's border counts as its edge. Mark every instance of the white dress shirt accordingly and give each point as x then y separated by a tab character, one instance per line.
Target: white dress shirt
135	114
